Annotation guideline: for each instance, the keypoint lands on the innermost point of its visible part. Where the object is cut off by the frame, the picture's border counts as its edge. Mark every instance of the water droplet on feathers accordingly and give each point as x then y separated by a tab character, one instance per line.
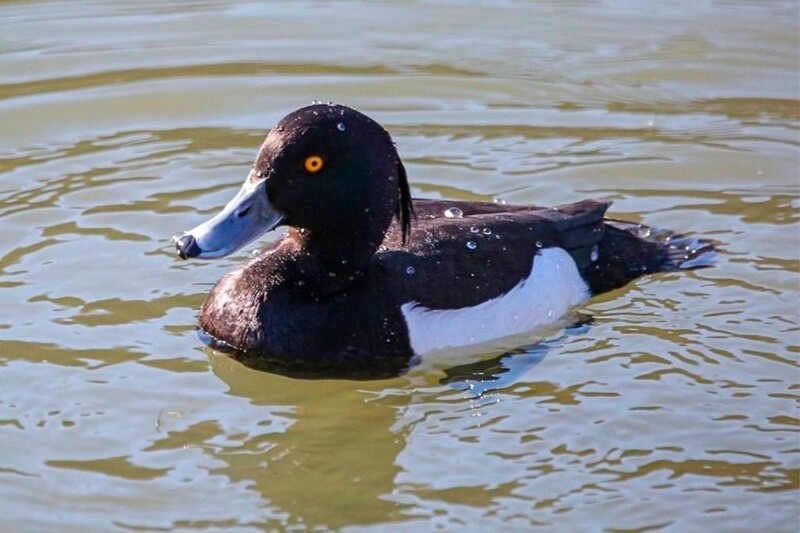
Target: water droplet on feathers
453	212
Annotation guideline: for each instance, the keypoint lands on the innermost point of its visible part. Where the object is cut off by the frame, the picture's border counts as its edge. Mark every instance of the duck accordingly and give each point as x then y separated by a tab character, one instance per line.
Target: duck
367	279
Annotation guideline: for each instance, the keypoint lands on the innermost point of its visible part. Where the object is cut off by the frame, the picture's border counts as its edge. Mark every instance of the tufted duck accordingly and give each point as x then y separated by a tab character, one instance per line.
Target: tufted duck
355	286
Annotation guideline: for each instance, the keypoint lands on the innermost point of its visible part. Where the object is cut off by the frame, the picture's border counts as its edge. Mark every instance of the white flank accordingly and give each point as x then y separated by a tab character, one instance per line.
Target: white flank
553	286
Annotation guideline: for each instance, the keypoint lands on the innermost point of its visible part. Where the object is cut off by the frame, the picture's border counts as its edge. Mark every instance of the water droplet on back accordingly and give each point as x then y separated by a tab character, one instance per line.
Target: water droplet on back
472	245
487	231
341	127
595	254
539	244
453	212
473	229
411	271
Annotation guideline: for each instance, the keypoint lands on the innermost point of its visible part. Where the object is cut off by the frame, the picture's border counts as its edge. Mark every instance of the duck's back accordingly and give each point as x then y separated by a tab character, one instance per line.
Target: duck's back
486	250
478	271
493	245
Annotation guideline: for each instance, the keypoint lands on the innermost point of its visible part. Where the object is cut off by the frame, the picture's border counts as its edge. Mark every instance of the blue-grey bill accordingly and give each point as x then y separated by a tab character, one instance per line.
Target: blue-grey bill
245	218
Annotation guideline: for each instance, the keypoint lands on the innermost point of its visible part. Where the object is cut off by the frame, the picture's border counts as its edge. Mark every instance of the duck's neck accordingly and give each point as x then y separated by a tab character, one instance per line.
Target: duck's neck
331	263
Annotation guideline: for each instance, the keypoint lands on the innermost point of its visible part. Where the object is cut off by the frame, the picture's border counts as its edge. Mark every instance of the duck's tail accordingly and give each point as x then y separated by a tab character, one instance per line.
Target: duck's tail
628	250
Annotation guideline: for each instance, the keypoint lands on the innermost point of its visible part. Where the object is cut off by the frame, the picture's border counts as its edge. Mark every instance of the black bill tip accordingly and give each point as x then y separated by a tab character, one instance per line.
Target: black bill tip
186	245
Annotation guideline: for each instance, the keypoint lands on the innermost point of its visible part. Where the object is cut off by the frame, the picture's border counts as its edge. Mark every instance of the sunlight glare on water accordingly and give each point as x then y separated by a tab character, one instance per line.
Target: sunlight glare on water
670	405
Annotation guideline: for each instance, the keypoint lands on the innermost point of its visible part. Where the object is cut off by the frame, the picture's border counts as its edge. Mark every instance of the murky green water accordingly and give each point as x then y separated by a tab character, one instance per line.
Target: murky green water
676	409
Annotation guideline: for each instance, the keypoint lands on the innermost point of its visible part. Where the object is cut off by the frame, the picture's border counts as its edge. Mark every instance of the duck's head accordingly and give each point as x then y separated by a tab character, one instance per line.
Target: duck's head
326	169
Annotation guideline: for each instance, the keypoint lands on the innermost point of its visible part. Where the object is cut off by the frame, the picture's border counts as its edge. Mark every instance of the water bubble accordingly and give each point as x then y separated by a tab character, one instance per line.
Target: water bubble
411	271
595	254
487	231
453	212
473	229
341	127
497	236
471	245
539	244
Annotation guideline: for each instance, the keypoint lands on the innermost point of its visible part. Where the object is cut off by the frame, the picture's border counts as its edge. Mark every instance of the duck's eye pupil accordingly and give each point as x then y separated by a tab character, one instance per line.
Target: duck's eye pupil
313	164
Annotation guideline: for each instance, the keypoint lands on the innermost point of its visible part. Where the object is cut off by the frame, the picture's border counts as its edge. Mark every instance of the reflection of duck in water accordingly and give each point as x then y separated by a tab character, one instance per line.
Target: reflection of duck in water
318	454
355	285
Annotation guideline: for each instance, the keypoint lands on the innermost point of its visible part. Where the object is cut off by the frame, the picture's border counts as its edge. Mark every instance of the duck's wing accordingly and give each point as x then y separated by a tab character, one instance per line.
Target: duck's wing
461	261
428	209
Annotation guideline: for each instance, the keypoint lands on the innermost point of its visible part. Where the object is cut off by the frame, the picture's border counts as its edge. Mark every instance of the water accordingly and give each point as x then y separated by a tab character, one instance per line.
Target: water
672	407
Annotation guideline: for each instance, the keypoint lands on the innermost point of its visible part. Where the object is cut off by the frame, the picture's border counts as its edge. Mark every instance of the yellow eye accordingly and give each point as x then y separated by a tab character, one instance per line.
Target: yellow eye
313	164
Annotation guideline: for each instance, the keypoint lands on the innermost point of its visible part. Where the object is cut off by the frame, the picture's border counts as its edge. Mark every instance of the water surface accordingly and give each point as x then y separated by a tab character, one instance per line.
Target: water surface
675	409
